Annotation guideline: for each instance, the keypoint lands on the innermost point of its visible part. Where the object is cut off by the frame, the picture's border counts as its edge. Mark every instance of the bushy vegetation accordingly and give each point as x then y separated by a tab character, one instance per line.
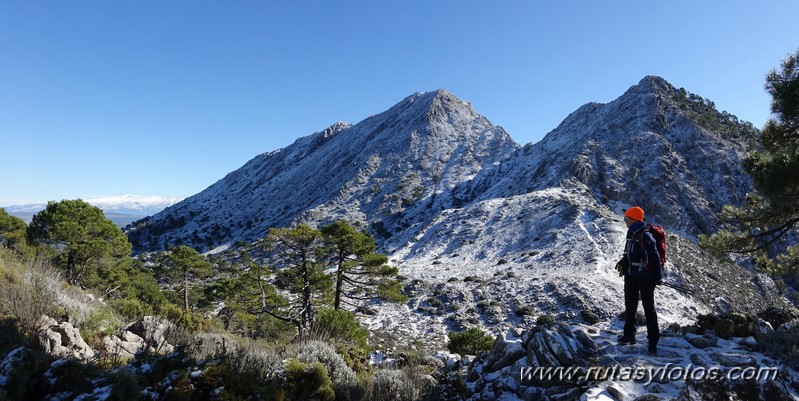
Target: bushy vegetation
26	291
471	341
764	225
234	353
704	111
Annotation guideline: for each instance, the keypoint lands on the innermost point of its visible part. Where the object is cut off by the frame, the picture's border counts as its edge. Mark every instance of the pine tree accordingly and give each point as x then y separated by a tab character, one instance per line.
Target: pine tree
12	231
79	235
360	272
295	253
771	212
183	264
246	293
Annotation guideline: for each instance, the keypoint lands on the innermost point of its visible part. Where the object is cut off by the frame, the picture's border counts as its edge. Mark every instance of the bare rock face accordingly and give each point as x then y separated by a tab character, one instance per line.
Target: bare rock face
126	345
63	340
557	345
502	370
153	332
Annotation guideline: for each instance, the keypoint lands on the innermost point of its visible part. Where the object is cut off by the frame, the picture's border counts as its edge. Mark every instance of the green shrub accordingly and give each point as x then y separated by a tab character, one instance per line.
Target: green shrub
238	384
337	369
308	381
400	385
471	341
544	319
782	344
589	317
338	325
124	386
10	335
779	316
69	375
345	381
355	357
524	311
724	328
187	319
21	368
26	292
131	309
252	361
99	323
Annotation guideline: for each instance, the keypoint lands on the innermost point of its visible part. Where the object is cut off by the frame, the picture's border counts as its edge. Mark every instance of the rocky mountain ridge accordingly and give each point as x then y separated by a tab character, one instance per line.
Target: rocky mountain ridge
482	228
368	173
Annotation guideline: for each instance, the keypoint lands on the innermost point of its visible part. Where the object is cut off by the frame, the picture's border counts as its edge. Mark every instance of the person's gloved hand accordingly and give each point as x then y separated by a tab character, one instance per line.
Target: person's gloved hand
621	267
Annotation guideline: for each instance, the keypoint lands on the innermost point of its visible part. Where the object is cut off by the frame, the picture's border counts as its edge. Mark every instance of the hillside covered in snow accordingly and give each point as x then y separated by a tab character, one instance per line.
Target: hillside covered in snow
482	227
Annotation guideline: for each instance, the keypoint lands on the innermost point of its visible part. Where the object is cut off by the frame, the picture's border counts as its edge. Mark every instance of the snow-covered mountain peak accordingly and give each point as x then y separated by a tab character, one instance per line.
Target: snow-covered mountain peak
447	194
663	148
144	205
372	172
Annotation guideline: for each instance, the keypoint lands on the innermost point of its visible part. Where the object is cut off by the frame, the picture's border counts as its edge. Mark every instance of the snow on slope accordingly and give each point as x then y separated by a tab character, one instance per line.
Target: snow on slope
548	250
543	228
489	233
647	147
369	173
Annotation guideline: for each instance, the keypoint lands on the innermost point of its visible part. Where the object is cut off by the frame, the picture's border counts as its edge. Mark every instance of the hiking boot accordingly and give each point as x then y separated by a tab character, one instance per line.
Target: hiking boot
626	341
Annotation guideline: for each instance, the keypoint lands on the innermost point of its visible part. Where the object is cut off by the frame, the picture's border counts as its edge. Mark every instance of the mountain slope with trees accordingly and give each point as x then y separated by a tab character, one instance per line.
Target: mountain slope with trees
519	243
447	195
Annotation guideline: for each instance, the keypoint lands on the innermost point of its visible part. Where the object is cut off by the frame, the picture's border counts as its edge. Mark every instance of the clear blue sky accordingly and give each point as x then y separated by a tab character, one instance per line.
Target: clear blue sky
102	98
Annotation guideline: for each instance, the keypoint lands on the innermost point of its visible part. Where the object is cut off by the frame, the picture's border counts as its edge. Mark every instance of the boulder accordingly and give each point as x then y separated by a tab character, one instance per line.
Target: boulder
153	331
506	350
502	371
704	341
556	345
127	344
63	340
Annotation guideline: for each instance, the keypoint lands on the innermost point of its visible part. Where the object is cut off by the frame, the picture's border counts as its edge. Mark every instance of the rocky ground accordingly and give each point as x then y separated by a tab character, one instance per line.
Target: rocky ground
560	362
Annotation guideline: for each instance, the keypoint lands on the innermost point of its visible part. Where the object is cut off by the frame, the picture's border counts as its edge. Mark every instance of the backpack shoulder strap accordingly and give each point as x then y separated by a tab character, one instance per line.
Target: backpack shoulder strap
637	235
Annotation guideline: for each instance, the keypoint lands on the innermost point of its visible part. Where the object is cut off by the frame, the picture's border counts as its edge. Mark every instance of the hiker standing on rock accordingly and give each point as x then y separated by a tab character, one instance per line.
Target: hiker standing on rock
641	268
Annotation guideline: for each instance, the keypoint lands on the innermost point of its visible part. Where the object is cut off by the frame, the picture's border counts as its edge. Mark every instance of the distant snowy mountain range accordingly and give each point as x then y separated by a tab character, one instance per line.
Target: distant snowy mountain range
122	210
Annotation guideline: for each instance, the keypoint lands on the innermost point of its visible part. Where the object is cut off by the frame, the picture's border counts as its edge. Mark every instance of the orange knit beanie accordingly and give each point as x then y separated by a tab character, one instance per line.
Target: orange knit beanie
635	213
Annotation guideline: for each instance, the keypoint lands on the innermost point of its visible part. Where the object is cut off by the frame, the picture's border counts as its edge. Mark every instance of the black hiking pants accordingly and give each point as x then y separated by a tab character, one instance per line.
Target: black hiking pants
633	286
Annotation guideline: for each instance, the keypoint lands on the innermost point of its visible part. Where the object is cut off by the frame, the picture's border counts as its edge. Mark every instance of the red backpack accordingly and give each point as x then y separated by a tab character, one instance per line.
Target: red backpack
660	240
